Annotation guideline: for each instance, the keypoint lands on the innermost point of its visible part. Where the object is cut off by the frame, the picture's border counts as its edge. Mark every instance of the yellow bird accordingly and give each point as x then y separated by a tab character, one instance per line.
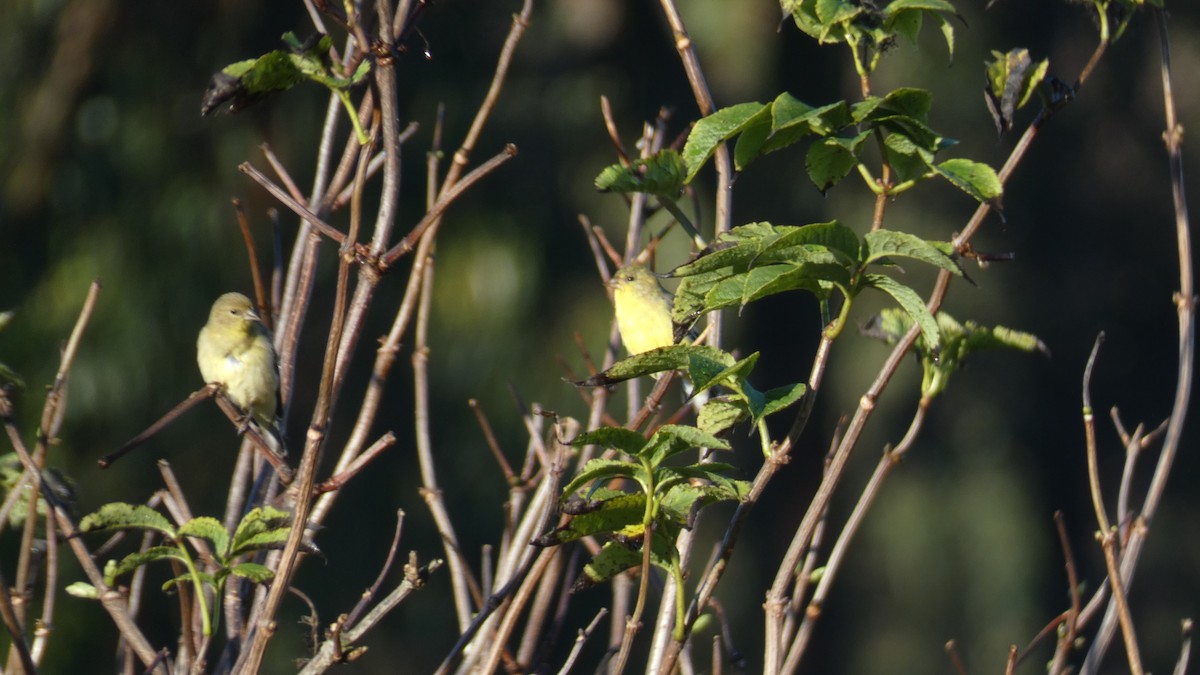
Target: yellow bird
235	349
643	309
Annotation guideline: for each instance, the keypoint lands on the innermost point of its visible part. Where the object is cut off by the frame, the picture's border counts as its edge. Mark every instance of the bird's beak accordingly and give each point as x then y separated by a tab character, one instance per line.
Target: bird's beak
252	315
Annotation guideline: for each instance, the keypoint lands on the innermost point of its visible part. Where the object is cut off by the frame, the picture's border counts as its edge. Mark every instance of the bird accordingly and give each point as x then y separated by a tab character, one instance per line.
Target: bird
643	309
234	349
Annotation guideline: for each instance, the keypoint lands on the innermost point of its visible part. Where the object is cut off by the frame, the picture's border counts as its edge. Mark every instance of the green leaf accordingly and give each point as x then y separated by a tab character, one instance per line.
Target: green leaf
120	516
793	120
906	24
930	5
837	11
135	560
1012	78
711	131
909	301
781	397
612	559
684	499
627	441
974	178
266	540
662	359
660	174
616	557
956	343
720	414
621	516
812	238
732	376
83	590
245	82
737	267
264	528
259	528
832	159
604	469
900	12
186	578
211	530
882	244
259	574
754	133
672	439
947	33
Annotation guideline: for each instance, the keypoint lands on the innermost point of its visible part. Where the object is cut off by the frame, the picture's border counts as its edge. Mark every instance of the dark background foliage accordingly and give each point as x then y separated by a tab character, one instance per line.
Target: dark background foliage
108	171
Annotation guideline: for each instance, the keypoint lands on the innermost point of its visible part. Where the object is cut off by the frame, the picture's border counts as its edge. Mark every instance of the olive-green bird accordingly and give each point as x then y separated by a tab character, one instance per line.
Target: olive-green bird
643	309
235	349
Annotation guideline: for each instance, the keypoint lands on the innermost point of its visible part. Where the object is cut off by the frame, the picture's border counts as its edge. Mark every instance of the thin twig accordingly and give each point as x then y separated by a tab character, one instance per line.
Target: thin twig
292	203
580	640
1106	535
370	593
414	579
445	199
1185	307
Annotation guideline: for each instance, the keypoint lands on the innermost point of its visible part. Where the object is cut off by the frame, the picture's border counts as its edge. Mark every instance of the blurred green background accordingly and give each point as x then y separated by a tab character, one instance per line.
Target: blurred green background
108	171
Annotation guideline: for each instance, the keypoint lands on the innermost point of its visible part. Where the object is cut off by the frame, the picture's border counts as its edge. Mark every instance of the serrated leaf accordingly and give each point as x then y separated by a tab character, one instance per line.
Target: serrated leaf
831	236
616	557
662	359
735	248
612	559
732	375
916	131
135	560
682	500
719	414
604	469
906	24
957	342
900	12
620	516
793	120
909	102
781	397
754	133
672	439
882	244
711	131
186	578
259	574
660	174
266	540
929	5
627	441
837	11
975	178
909	301
832	159
255	522
947	29
211	530
119	516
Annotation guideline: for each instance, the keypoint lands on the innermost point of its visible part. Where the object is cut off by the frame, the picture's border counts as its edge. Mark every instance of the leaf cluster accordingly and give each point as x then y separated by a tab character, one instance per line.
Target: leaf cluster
262	528
956	341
